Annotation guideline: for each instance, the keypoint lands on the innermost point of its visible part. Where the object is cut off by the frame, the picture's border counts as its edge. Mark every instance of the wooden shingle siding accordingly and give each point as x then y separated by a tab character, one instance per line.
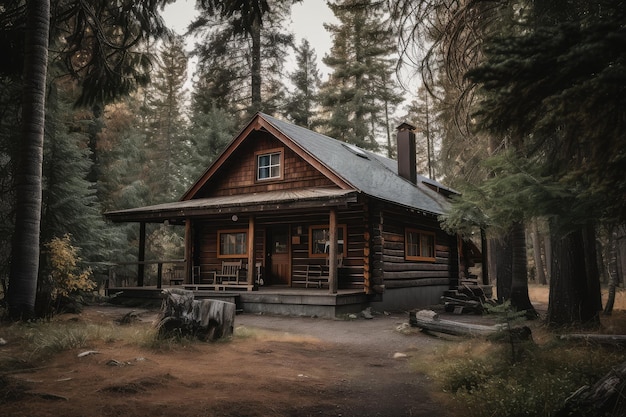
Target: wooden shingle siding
238	174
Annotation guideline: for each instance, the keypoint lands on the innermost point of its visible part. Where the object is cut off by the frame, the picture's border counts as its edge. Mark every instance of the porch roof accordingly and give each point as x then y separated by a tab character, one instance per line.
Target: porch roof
244	203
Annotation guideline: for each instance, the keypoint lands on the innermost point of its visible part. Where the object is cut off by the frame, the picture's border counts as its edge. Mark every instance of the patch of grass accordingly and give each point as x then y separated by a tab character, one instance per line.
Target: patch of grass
40	340
243	332
483	382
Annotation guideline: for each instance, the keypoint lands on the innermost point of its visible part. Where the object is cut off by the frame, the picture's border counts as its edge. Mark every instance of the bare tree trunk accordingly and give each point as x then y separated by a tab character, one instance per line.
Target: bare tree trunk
573	298
519	282
621	253
592	302
25	244
502	256
547	248
256	66
541	276
611	271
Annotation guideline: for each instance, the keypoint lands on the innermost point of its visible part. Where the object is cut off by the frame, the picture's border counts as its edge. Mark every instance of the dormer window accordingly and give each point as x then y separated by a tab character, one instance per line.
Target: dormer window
269	165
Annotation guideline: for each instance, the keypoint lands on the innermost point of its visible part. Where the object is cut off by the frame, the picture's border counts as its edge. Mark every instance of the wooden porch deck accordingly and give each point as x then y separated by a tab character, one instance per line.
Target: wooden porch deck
313	302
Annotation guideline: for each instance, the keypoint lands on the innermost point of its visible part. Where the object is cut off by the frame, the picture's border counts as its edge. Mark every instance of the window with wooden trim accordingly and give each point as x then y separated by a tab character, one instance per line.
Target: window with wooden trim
269	165
319	241
232	243
419	245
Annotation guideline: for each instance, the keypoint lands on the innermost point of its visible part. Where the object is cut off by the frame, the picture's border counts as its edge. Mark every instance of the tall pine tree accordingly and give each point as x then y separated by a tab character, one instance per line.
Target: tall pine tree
359	93
166	121
242	54
301	105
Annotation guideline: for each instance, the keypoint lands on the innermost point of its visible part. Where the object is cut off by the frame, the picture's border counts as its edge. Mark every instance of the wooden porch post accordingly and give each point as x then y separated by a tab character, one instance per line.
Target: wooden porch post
332	252
141	256
251	260
188	253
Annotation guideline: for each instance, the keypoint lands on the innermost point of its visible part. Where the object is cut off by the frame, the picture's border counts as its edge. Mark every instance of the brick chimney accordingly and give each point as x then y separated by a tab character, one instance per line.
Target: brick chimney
406	152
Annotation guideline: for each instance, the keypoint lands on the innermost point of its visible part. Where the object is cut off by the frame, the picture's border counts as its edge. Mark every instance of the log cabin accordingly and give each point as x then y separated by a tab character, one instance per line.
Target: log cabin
313	215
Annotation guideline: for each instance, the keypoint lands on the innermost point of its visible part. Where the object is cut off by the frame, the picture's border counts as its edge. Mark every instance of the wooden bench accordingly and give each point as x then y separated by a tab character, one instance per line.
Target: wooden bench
230	272
176	275
232	276
308	275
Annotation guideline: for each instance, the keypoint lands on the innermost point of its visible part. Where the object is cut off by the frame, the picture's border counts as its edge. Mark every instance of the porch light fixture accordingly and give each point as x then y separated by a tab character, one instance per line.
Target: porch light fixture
235	218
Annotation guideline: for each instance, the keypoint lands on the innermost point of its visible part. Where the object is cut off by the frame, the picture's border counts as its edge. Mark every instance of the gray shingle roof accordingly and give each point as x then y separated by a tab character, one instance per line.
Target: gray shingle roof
367	172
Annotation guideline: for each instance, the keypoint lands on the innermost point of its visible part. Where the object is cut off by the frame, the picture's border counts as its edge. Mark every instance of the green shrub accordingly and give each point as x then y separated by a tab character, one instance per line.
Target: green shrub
488	384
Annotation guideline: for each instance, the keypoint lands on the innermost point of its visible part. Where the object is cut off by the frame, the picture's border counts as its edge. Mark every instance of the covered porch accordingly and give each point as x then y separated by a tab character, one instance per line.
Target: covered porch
304	248
266	300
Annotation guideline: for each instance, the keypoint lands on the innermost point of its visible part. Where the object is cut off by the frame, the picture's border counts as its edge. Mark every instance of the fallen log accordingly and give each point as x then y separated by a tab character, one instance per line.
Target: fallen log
204	319
428	320
604	398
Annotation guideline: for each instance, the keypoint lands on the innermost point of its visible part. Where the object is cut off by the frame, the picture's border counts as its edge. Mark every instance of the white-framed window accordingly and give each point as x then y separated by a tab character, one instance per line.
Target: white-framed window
269	165
419	245
232	243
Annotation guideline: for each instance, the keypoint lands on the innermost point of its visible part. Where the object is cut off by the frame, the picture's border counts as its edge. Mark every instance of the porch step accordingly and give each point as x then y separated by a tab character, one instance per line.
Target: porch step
219	287
299	304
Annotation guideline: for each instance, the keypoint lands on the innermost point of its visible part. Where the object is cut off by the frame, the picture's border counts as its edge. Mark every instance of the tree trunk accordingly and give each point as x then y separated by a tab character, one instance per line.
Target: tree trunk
620	246
612	272
573	298
592	291
541	276
256	66
519	277
502	255
25	244
547	248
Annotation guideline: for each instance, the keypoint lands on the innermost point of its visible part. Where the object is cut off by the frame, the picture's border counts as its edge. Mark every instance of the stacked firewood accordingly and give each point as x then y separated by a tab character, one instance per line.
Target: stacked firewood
467	297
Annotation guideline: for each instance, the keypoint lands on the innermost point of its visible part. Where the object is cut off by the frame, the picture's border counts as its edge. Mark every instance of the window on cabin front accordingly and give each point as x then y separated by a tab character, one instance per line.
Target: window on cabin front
269	166
232	243
419	245
319	242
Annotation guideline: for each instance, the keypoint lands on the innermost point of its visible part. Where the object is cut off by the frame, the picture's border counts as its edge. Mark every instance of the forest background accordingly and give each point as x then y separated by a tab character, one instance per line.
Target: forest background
520	106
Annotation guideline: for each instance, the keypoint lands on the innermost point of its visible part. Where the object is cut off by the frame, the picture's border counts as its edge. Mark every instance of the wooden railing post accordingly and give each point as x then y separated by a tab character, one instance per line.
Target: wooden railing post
332	252
251	257
159	275
141	257
189	252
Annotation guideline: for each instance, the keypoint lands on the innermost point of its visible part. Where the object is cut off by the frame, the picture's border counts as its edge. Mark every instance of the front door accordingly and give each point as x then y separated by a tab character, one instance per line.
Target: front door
277	262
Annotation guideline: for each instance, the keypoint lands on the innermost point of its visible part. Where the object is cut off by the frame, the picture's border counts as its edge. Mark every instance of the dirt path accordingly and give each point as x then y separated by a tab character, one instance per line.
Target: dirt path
284	367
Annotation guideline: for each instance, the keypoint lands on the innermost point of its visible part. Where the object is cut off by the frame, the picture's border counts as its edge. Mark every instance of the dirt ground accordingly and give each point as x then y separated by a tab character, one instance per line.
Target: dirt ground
284	367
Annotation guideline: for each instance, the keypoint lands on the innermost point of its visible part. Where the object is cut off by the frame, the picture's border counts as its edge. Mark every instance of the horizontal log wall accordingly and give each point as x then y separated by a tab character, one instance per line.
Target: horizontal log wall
351	273
389	257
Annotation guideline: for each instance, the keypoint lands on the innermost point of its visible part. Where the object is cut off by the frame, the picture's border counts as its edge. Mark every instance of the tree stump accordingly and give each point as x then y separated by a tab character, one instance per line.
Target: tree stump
203	319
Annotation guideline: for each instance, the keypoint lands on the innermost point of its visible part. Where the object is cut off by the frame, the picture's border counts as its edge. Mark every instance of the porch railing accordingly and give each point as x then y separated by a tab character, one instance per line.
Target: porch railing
127	274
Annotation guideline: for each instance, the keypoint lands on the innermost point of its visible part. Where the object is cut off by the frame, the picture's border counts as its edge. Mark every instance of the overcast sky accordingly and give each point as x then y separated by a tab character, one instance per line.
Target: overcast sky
307	17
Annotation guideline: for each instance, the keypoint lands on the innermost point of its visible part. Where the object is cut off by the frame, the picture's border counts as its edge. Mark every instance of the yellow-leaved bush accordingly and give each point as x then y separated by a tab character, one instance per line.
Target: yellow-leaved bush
65	274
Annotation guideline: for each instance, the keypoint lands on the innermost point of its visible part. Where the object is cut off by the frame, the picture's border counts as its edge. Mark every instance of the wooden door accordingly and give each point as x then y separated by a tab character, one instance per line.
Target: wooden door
278	255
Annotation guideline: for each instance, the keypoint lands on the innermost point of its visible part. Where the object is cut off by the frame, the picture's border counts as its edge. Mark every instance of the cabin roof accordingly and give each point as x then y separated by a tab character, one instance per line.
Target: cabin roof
365	171
361	170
